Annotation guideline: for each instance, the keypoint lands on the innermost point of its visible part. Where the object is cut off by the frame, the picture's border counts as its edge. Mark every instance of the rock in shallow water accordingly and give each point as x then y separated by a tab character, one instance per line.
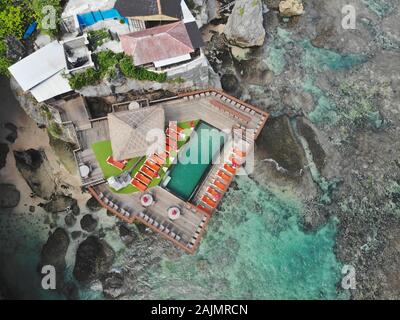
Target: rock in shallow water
9	196
290	8
93	259
245	24
53	253
61	203
93	205
88	223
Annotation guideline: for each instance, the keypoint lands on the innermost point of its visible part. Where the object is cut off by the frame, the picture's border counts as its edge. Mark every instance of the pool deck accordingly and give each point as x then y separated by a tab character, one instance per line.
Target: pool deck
212	106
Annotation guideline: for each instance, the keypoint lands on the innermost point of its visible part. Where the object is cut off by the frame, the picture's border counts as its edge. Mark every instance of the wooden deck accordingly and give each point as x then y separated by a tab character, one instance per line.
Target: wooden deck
189	227
212	106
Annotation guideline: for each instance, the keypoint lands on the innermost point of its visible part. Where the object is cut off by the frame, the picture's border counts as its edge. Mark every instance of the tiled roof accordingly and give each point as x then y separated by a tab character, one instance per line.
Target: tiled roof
158	43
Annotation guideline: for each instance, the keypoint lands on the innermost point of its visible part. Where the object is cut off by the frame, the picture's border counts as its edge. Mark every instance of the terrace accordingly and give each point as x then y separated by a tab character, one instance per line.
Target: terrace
151	174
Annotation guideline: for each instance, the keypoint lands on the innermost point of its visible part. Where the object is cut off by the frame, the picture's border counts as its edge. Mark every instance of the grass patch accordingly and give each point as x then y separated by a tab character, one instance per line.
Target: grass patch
102	151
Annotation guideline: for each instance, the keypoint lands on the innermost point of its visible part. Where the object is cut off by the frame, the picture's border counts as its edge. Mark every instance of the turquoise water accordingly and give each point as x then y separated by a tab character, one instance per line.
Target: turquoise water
21	240
194	160
254	249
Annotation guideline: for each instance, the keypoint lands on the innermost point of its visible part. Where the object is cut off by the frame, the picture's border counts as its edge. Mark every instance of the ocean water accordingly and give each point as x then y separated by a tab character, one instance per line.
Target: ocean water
21	240
253	249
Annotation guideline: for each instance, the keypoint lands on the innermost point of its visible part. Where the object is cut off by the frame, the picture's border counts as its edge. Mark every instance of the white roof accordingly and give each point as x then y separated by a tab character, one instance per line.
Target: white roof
39	66
53	86
187	15
167	62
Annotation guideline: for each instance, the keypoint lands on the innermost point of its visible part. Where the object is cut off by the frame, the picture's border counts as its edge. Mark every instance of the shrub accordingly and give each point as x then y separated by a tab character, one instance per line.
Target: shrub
12	22
54	129
139	73
97	37
42	15
86	78
4	61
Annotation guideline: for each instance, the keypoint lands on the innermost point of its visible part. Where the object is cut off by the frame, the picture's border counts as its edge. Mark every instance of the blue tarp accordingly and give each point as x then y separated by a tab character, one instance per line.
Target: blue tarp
90	18
31	29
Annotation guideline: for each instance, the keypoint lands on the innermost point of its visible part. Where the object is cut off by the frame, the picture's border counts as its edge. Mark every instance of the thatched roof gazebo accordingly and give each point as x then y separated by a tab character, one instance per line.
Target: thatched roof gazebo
137	133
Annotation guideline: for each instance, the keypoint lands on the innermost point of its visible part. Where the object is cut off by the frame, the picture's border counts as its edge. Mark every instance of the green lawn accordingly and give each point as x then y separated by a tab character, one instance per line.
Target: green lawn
103	150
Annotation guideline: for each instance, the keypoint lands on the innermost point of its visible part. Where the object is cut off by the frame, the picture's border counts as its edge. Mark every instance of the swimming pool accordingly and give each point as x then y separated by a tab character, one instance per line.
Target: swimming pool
194	160
90	18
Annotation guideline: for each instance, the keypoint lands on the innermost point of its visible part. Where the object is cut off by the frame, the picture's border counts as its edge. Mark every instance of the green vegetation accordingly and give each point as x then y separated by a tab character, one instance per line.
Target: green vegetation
139	73
54	129
98	37
4	61
102	151
241	11
13	18
42	16
107	61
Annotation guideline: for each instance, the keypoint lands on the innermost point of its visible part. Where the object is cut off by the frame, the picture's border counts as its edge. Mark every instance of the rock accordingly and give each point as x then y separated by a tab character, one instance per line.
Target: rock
70	220
231	84
88	223
245	25
93	259
127	236
93	205
290	8
9	196
113	285
3	154
76	234
272	4
37	172
62	203
53	253
15	49
13	135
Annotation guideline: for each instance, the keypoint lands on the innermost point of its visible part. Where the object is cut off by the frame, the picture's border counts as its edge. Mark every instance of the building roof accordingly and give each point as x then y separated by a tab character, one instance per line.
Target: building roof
39	66
129	130
158	43
194	35
146	8
53	86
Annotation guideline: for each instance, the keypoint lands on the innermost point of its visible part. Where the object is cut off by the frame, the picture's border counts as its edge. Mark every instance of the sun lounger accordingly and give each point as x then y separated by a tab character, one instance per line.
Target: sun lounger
214	193
151	220
101	195
141	214
193	241
204	219
202	224
230	169
207	210
117	164
152	165
148	172
156	224
166	230
142	178
219	185
172	234
139	185
146	217
178	237
155	158
224	176
208	201
162	227
239	152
